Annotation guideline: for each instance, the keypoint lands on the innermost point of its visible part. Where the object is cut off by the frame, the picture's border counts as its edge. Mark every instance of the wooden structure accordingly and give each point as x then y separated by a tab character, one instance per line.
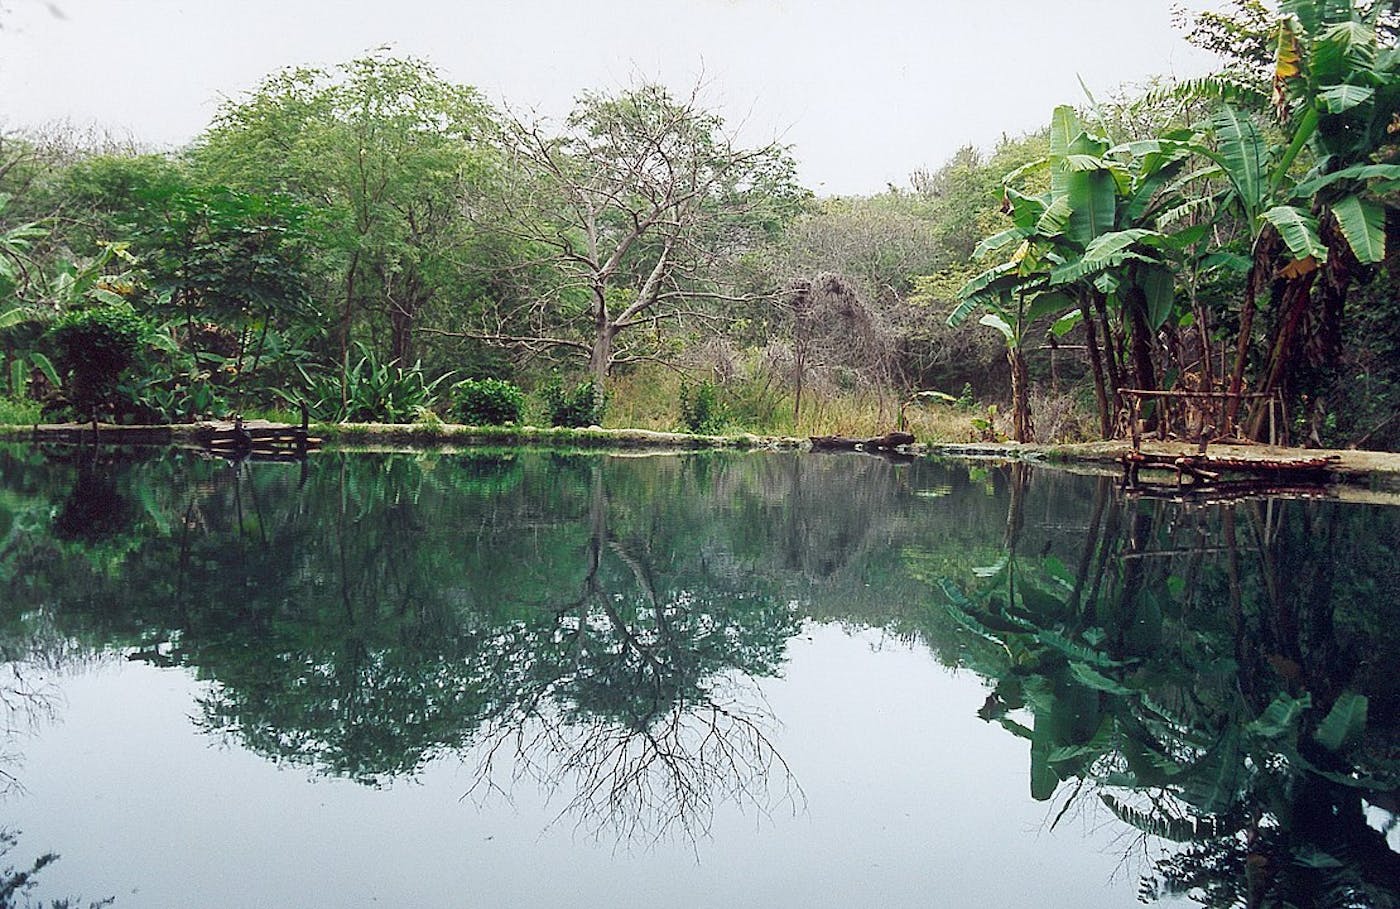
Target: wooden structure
1212	408
258	438
1228	475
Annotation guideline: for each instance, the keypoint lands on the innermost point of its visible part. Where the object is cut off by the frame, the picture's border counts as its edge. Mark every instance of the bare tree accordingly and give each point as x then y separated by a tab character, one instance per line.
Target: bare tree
630	211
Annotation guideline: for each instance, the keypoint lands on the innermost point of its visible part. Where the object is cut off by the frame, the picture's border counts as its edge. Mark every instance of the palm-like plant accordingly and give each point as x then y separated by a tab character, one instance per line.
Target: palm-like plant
1101	239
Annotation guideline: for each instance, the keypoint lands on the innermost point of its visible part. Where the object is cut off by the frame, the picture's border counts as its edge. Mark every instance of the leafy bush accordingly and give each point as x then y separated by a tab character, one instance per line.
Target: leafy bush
488	402
95	346
582	405
18	412
371	391
701	409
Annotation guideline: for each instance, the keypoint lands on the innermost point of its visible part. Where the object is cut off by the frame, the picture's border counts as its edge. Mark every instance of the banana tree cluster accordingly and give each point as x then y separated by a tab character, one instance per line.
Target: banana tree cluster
1186	688
1123	229
1097	247
1337	96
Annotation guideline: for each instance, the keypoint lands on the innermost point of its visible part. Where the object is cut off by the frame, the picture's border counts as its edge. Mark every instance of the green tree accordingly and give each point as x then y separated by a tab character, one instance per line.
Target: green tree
1087	245
387	156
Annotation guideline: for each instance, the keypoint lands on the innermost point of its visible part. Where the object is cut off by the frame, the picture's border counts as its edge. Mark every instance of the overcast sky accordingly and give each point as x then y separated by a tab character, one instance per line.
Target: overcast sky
865	90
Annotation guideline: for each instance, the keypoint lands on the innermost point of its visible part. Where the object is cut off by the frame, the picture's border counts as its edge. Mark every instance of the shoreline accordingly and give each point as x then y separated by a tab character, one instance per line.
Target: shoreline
1351	465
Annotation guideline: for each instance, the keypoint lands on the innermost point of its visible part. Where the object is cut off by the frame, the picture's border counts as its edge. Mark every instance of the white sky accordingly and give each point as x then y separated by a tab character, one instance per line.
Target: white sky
865	90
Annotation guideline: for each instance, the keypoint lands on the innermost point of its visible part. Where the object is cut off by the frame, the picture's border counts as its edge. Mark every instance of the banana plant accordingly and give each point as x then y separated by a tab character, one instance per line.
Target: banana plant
1335	91
1097	241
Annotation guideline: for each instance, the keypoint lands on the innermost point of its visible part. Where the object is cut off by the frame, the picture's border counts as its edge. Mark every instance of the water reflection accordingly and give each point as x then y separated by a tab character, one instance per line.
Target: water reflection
1220	678
1216	678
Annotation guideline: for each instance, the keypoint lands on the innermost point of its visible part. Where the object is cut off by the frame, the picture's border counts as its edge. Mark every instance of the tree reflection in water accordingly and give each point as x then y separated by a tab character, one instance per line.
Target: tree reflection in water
636	697
1219	677
1214	682
377	613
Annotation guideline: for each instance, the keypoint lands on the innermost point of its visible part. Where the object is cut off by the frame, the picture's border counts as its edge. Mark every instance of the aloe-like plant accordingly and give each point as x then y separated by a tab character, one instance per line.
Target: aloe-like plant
368	390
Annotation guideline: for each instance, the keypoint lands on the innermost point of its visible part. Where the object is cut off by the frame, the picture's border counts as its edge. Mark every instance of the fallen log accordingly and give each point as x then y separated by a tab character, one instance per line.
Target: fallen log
1216	463
887	442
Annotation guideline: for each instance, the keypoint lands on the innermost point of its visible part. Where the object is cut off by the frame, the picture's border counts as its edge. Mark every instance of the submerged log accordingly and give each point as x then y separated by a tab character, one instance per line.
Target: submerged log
887	442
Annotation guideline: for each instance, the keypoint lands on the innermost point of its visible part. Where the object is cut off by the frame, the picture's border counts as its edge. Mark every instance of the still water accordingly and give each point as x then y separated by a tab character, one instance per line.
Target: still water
535	679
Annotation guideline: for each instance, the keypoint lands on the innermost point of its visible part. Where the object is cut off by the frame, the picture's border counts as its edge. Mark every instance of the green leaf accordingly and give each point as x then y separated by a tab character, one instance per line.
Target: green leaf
998	242
1213	782
1055	219
45	366
1093	198
1363	224
1175	829
1065	324
1025	210
1085	162
1299	231
1043	742
1280	718
1242	153
1074	650
1159	289
1341	98
1092	678
1106	251
12	317
1064	128
1308	189
976	286
992	320
1344	723
1226	261
1044	304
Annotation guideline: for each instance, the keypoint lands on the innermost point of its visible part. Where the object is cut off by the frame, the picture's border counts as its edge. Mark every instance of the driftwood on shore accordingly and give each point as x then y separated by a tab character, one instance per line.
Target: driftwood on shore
1235	473
887	442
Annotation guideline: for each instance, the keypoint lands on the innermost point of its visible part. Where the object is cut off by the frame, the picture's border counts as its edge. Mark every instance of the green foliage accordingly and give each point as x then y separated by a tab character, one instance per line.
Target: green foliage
702	411
488	402
95	346
581	405
385	156
367	391
18	412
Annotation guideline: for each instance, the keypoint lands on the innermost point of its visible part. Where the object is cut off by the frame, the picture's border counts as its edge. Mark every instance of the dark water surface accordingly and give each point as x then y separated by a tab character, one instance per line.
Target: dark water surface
535	679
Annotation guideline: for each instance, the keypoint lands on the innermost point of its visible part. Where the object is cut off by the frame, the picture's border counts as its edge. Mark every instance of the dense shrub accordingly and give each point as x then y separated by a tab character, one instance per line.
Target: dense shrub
701	409
94	347
581	405
488	402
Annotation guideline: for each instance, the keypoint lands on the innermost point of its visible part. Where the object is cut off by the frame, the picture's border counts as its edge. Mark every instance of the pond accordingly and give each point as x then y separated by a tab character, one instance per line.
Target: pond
523	678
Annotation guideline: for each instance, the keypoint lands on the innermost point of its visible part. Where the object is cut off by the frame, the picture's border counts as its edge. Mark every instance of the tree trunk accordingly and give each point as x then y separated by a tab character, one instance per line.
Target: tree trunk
1337	273
346	316
1144	372
1261	274
601	357
404	307
1096	365
1021	428
1294	304
1110	354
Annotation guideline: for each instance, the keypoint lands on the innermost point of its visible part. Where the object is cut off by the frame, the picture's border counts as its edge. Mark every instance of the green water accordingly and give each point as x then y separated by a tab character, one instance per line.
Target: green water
526	678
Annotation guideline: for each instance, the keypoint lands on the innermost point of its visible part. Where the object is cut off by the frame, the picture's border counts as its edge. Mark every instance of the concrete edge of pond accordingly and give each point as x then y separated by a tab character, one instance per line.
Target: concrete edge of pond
1378	469
412	435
